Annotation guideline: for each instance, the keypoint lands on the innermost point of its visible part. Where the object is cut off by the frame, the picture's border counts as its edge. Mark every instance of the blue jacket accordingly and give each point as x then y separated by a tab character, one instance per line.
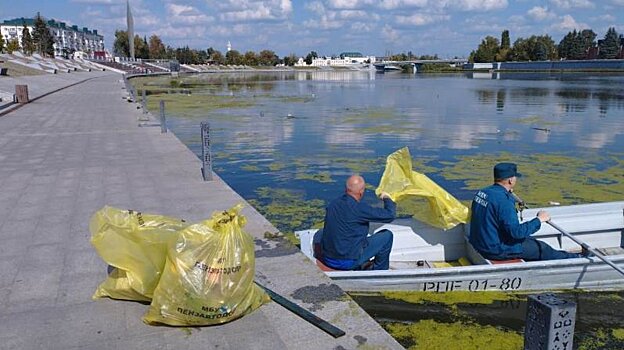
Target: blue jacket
346	226
495	230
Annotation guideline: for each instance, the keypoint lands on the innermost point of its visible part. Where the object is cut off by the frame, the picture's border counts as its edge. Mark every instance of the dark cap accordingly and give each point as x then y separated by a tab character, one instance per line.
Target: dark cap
505	171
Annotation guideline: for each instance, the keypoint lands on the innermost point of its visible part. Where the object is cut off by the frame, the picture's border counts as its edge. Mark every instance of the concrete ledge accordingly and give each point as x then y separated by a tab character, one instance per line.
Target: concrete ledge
95	155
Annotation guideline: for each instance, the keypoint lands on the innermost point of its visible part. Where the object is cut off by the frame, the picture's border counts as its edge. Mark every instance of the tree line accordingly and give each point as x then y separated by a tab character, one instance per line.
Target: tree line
40	41
576	45
154	48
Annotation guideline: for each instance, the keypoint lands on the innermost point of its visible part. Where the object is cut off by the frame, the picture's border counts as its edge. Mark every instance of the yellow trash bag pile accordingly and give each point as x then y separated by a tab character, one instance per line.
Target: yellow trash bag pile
208	276
136	245
206	270
405	186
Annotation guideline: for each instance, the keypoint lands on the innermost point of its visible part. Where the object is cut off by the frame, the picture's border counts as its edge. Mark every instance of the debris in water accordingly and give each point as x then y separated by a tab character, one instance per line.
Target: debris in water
546	130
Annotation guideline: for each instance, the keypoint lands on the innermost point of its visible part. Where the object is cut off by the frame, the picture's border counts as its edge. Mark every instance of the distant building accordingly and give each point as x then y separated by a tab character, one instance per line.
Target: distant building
67	40
345	59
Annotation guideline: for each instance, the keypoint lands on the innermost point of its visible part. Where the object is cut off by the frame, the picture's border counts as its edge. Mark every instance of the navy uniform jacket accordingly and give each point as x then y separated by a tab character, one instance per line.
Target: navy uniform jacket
346	226
495	230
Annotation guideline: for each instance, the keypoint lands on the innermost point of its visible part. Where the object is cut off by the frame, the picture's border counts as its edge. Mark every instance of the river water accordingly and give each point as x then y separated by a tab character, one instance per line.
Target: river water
287	142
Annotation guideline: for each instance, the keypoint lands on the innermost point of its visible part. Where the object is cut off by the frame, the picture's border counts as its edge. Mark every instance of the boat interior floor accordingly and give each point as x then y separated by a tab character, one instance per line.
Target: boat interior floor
426	264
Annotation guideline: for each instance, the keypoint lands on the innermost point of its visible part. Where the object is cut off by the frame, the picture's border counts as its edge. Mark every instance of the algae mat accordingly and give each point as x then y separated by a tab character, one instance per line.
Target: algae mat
484	320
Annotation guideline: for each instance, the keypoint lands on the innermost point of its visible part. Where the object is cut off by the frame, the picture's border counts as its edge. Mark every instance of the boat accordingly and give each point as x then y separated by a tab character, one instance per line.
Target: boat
424	258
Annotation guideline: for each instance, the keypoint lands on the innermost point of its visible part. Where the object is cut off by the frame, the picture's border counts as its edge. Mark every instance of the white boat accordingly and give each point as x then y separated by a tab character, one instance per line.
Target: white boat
423	257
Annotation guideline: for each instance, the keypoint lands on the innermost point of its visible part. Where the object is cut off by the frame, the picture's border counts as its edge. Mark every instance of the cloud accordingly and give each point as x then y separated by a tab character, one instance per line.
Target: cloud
348	4
99	2
540	13
569	4
568	23
396	4
477	5
252	10
606	18
421	19
185	14
389	33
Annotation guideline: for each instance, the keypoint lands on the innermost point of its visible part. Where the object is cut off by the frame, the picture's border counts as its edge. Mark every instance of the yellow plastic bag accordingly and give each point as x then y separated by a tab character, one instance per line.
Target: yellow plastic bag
209	275
136	245
405	186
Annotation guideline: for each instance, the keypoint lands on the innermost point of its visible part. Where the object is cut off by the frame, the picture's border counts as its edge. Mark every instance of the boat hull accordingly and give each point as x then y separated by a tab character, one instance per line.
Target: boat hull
581	273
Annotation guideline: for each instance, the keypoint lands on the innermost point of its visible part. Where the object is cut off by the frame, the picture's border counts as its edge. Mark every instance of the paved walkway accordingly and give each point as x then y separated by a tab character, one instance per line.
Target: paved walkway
66	155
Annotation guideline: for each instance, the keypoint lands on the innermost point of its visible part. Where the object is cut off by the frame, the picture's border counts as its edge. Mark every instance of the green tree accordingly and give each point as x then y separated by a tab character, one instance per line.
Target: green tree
290	60
610	45
233	57
186	56
399	57
267	58
170	53
121	45
486	52
141	49
505	41
566	45
12	45
1	44
27	42
540	51
312	55
41	37
156	47
250	58
534	48
217	57
589	38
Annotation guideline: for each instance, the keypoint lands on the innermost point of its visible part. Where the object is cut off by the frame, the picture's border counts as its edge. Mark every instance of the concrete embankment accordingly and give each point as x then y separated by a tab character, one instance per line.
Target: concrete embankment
71	152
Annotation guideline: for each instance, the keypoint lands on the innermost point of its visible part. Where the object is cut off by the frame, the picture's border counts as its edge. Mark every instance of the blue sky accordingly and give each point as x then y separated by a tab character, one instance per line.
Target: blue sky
374	27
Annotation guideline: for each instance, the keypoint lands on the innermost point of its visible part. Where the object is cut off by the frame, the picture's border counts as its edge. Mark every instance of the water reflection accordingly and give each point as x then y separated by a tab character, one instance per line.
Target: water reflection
292	120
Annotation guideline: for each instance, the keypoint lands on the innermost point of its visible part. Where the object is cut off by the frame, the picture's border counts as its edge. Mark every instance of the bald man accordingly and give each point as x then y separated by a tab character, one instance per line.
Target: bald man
345	244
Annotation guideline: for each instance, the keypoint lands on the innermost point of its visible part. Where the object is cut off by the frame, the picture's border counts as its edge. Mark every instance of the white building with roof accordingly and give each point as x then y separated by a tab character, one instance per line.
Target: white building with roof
67	39
344	60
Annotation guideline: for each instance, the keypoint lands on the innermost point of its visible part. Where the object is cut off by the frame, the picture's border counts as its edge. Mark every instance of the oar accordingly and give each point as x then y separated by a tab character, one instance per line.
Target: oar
586	246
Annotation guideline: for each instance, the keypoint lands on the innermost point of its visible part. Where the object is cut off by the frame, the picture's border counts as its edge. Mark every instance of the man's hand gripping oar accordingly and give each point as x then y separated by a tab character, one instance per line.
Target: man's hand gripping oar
570	236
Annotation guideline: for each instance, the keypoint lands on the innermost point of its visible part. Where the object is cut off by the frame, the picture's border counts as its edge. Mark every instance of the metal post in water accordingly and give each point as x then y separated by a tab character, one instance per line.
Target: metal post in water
163	120
549	323
206	155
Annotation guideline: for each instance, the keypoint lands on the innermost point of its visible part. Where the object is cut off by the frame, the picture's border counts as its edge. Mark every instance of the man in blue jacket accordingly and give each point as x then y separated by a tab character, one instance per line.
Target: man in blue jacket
495	230
344	244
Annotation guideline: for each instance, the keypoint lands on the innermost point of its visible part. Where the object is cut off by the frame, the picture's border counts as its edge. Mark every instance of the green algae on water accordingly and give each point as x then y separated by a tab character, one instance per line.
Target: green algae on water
533	120
250	167
322	177
451	298
602	339
566	179
432	335
287	209
276	166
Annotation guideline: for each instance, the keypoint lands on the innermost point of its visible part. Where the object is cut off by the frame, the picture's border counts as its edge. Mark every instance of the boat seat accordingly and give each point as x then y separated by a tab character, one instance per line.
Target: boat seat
478	259
323	267
463	261
508	261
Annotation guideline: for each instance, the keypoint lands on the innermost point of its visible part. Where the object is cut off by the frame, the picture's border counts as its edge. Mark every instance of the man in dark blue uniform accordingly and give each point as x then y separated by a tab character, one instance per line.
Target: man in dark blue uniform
344	244
495	230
